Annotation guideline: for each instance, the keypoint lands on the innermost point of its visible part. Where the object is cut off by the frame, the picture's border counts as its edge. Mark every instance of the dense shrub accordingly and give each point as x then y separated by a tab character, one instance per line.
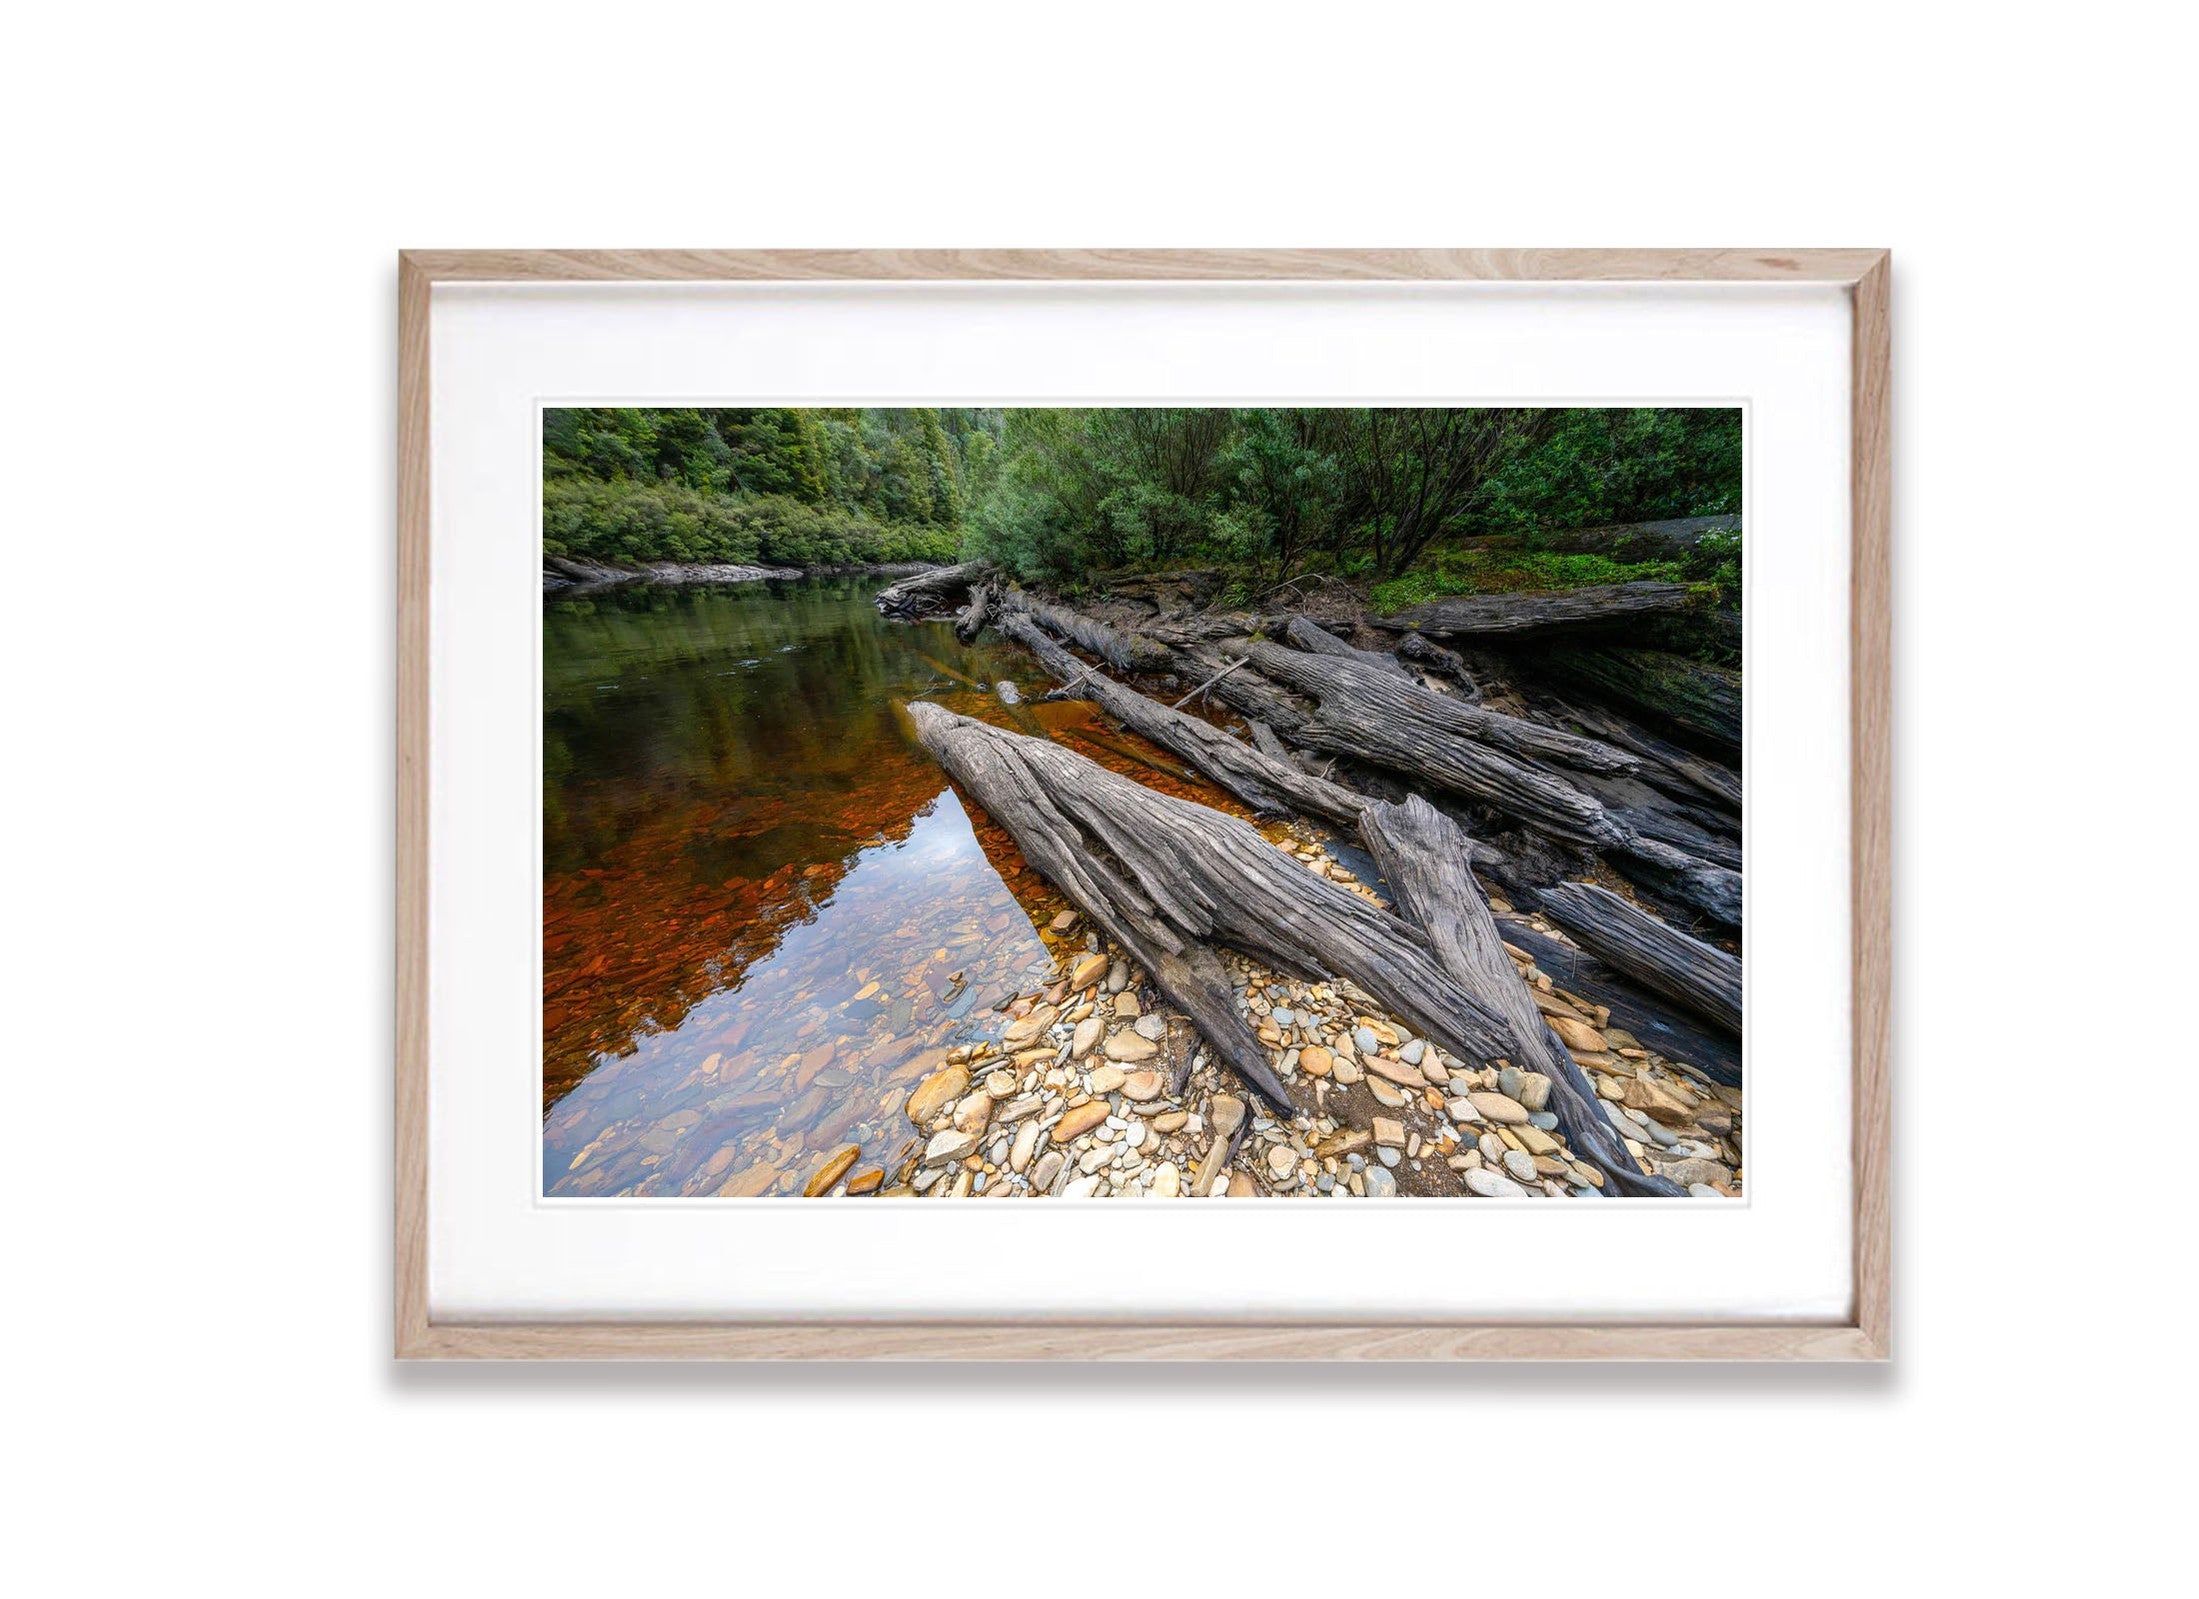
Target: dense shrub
621	519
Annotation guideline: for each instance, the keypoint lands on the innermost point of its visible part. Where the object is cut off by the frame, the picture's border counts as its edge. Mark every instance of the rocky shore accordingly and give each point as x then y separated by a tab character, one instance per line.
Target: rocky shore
1073	1100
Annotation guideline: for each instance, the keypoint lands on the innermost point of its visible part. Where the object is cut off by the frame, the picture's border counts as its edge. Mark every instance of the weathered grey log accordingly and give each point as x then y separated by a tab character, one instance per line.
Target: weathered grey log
1268	785
1258	699
1491	759
1693	695
975	614
1700	976
1513	617
1423	856
1172	881
936	589
1641	541
1332	679
1422	650
1125	652
1684	771
1304	635
1676	1034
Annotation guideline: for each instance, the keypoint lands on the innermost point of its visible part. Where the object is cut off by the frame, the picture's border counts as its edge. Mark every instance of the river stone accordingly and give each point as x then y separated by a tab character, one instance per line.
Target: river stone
866	1181
1364	1041
1379	1183
1025	1146
953	1144
1315	1060
1130	1047
1520	1164
1028	1030
1118	978
1142	1085
1689	1172
936	1092
1063	921
834	1168
1105	1079
1489	1185
1577	1035
1282	1160
1534	1140
1283	1016
1087	971
1151	1028
1167	1181
1547	1120
1048	1168
1089	1032
1534	1091
1387	1155
1016	1109
1508	1078
1410	1053
1348	1071
973	1113
1079	1121
1127	1007
1462	1109
1387	1095
1170	1121
1389	1132
1498	1108
1081	1187
1227	1112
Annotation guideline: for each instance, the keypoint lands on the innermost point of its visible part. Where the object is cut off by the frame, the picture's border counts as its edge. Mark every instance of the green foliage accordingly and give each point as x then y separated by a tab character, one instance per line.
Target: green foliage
1058	495
624	520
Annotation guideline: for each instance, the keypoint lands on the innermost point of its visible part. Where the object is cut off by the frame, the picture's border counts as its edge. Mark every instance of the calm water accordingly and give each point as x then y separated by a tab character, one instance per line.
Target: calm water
766	915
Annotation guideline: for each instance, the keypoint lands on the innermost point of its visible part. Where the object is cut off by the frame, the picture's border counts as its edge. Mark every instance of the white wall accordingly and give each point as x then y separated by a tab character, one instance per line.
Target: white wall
206	202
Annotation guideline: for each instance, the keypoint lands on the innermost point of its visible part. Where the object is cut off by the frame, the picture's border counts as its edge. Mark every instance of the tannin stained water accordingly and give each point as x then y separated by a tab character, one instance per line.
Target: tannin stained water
765	913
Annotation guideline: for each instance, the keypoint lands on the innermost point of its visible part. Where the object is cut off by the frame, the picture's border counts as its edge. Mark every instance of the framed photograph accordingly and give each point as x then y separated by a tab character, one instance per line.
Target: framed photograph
911	761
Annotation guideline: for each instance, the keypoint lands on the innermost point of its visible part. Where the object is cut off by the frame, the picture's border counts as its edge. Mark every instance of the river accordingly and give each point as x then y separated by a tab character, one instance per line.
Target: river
765	912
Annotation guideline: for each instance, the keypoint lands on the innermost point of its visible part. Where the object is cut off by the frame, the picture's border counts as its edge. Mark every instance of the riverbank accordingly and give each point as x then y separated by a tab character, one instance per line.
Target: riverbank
564	574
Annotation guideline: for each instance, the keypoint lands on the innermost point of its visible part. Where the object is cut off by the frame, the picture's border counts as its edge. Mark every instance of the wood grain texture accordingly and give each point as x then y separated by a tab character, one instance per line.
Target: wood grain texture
411	1253
1870	756
1864	1337
1139	1341
1180	266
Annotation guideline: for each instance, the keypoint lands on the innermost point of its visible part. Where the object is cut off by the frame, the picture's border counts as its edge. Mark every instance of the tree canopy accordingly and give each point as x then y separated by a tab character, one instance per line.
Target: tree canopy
1063	494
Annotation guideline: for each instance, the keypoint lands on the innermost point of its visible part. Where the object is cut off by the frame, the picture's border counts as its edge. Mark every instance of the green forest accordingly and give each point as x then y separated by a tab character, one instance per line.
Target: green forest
1415	502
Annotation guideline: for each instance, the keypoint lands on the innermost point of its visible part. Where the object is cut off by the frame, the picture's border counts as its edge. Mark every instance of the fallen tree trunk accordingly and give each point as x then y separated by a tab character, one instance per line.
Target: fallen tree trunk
1126	652
1171	881
1639	541
1329	678
1656	1021
1423	856
935	590
1700	976
1512	617
1490	759
1314	640
975	614
1267	785
1688	771
1702	699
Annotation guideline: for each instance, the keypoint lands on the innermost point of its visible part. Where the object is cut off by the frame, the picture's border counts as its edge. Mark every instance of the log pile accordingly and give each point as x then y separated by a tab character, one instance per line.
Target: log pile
1686	970
1174	883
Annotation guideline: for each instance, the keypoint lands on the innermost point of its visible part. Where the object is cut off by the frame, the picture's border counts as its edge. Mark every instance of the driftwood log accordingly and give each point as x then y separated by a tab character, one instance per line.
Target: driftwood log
1498	761
1304	635
1699	976
1423	858
1267	784
1512	617
1640	541
1692	695
1660	1025
939	588
977	613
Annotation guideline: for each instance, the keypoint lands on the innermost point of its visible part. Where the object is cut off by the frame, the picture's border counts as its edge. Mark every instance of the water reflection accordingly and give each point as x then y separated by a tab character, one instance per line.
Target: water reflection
765	916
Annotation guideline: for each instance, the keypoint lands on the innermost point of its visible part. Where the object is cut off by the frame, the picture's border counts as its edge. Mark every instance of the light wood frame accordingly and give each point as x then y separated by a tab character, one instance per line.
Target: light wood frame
1864	1335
